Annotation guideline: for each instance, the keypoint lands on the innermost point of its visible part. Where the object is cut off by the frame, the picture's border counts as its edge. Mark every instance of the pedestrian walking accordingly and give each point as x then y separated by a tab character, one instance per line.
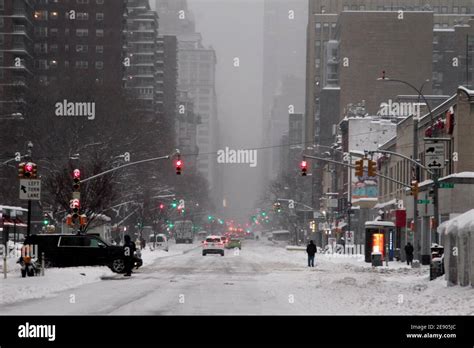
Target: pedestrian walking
129	249
409	253
311	251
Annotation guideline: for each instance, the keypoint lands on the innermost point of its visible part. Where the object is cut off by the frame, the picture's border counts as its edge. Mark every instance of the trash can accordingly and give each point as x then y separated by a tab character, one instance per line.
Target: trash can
376	259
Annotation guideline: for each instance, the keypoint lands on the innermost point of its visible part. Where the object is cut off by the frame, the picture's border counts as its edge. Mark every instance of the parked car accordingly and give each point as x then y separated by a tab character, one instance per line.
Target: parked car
213	245
72	250
234	243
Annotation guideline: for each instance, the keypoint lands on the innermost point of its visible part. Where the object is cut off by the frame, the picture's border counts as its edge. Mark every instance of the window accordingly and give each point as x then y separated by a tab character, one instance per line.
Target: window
70	242
1	21
41	15
99	32
345	8
53	48
53	32
2	4
82	64
99	49
82	1
82	16
99	2
82	32
82	48
41	48
100	65
66	63
41	31
455	9
99	16
444	9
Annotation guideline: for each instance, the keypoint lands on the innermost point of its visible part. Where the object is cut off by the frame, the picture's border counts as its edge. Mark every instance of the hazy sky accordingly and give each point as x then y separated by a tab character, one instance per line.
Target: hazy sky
235	29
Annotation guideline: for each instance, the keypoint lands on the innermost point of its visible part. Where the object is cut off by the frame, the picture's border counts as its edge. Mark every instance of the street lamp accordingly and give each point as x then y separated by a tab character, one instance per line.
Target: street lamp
415	157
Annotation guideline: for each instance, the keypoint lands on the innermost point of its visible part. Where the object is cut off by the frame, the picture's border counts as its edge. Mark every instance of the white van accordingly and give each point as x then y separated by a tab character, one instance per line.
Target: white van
161	242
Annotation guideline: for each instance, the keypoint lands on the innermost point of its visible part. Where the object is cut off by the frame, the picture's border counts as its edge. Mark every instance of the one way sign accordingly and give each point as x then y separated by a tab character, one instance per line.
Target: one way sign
30	189
434	155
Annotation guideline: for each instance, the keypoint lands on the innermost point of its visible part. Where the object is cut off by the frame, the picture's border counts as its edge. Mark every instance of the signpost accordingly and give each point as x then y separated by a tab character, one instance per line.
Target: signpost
434	154
423	201
30	189
449	185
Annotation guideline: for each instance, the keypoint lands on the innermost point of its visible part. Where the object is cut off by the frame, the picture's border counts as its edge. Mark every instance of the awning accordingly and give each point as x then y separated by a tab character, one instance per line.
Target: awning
383	205
13	222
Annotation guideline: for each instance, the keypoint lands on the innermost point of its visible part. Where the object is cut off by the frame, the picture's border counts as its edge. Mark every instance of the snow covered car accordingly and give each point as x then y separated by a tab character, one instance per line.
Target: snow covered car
73	250
212	245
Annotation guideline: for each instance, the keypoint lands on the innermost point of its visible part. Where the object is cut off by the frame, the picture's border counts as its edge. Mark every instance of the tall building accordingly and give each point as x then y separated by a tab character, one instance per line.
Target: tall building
322	19
283	72
145	54
80	41
196	76
16	55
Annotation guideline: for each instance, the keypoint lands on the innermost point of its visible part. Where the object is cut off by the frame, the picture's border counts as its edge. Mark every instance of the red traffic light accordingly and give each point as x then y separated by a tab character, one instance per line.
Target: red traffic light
179	164
162	206
304	168
76	174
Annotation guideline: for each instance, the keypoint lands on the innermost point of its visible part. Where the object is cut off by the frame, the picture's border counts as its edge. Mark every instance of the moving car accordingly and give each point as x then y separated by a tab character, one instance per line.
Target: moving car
234	243
161	242
72	250
213	245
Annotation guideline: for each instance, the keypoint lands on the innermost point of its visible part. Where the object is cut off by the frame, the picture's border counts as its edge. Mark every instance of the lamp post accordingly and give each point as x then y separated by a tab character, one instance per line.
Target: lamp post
425	252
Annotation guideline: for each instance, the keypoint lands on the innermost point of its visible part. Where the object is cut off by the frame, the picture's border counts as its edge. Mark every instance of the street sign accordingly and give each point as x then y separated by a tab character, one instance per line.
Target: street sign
434	155
30	189
446	185
423	201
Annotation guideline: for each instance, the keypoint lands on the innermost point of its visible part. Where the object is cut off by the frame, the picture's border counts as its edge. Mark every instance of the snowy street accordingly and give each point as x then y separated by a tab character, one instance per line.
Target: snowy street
261	279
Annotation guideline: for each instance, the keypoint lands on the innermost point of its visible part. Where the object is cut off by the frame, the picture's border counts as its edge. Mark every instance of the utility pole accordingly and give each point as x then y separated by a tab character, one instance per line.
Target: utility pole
416	236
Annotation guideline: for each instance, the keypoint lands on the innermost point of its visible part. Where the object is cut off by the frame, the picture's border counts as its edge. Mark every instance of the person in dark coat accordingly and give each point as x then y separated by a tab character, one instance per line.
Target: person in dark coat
129	249
311	251
409	253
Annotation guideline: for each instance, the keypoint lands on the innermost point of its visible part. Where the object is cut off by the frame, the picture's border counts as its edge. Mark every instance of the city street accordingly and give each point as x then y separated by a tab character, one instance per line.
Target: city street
263	278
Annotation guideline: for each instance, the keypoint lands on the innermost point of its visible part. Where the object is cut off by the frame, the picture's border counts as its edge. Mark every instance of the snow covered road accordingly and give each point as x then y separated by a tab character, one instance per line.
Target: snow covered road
260	279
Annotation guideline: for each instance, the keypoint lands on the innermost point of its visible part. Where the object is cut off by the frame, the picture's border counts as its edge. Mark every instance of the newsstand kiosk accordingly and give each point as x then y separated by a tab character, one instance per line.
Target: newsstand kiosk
379	238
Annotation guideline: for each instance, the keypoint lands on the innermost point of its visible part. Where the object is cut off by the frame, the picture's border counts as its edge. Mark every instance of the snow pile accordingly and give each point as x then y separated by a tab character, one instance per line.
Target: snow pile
457	235
15	288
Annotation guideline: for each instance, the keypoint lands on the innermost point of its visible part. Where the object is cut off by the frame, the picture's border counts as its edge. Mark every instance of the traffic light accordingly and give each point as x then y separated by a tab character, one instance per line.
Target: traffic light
277	207
414	189
372	168
174	204
304	168
21	170
162	206
34	173
28	170
359	167
76	180
75	208
179	165
45	219
209	217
